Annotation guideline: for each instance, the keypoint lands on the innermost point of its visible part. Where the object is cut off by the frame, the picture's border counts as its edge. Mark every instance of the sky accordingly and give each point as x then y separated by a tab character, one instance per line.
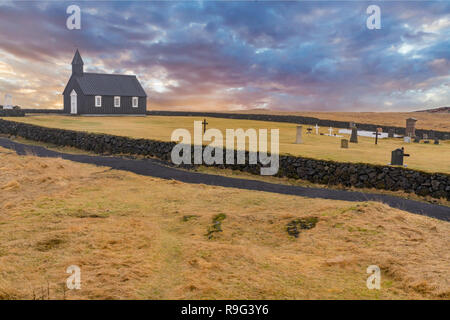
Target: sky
235	55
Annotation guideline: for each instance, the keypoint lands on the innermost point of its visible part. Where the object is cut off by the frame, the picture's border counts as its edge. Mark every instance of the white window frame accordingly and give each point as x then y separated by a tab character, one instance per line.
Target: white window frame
116	105
137	102
98	104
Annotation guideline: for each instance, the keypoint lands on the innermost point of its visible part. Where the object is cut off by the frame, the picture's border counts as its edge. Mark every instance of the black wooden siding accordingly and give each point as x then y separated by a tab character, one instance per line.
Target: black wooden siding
86	104
73	85
108	106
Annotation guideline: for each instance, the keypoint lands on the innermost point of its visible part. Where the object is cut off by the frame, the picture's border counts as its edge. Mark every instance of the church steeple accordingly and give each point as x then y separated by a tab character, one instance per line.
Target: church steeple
77	64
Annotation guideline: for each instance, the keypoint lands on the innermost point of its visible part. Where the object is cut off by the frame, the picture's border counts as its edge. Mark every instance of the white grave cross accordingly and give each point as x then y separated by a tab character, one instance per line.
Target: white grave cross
317	128
330	130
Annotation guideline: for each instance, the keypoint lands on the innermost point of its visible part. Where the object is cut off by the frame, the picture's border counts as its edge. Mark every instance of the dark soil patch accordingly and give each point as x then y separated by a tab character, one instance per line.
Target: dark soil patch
48	244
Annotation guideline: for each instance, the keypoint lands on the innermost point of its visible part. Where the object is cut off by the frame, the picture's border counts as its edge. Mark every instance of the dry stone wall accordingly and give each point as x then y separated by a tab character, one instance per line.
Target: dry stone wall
357	175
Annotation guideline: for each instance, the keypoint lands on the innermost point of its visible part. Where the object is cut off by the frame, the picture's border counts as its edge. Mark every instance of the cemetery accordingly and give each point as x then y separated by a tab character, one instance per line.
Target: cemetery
359	174
317	144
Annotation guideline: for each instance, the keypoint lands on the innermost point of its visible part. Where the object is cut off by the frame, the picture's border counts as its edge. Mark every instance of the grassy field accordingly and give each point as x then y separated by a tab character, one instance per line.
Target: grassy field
246	175
146	238
426	157
429	121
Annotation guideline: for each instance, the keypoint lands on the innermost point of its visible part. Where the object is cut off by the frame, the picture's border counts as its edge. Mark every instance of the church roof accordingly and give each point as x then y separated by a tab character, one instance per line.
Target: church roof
77	58
110	85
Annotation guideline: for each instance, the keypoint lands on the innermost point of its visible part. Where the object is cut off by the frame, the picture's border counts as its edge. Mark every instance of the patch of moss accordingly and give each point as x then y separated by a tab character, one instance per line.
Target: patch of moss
216	226
293	228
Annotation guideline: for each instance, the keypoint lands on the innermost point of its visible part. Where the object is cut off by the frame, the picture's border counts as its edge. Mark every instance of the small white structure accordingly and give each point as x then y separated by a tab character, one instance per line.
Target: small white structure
407	139
8	101
317	128
370	134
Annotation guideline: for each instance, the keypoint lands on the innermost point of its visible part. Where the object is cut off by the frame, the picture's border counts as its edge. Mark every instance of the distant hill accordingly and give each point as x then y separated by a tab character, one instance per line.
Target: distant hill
437	110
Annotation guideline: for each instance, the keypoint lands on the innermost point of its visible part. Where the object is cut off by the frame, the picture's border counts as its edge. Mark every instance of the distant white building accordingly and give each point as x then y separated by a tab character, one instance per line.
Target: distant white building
8	101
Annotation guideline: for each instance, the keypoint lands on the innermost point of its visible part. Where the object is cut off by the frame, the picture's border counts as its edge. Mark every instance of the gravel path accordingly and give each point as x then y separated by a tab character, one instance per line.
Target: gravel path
159	169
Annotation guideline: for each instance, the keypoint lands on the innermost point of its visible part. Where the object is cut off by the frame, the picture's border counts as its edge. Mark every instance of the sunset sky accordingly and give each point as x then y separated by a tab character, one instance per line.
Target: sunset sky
211	55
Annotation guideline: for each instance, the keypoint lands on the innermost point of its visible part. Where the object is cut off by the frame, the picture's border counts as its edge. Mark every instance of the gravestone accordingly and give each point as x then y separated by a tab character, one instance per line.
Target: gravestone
354	136
410	127
391	133
204	124
317	128
397	157
436	141
330	130
425	136
407	139
378	131
344	143
298	139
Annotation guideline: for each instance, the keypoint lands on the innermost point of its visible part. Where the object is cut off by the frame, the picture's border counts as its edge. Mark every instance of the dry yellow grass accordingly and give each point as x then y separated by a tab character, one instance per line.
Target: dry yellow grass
246	175
425	157
128	235
429	121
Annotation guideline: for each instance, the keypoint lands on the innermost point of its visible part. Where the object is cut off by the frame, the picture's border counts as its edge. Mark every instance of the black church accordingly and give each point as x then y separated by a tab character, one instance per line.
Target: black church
102	94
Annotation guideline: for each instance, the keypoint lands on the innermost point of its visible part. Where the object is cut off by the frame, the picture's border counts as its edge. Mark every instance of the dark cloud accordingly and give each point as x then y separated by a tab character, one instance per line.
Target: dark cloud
279	55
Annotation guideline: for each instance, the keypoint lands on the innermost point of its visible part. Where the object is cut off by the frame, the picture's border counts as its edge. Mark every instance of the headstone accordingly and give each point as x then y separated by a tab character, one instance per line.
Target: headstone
344	143
391	133
425	136
298	139
407	139
317	128
397	157
330	130
354	136
411	127
376	133
204	123
436	141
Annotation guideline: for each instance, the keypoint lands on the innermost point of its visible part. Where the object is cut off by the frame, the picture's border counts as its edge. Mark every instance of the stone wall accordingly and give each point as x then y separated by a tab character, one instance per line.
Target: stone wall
58	111
11	113
442	135
319	171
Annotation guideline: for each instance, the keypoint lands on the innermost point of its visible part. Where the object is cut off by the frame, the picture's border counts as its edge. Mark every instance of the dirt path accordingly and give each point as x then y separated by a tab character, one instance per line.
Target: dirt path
159	169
